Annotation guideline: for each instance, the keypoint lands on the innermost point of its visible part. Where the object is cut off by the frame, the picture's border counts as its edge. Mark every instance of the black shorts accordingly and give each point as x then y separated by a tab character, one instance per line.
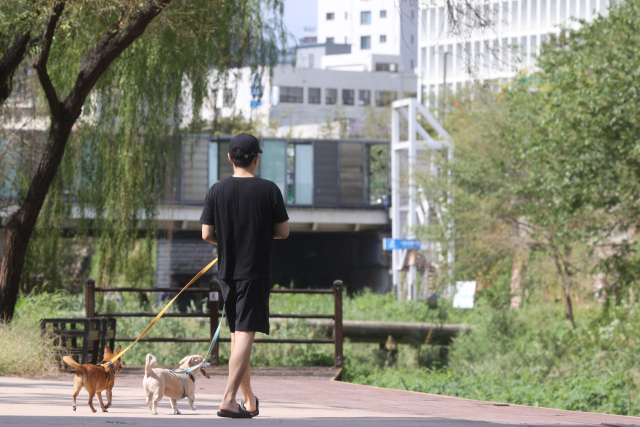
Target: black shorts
247	304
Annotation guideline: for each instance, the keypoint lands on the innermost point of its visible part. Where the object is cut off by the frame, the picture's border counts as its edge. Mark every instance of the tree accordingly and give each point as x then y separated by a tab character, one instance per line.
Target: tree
587	135
116	95
490	191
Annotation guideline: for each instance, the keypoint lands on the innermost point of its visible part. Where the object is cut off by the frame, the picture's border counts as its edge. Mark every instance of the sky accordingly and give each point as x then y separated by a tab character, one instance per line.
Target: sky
301	14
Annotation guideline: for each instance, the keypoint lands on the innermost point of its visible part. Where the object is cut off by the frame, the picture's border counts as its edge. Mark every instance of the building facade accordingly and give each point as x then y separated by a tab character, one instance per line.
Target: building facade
498	53
309	102
386	27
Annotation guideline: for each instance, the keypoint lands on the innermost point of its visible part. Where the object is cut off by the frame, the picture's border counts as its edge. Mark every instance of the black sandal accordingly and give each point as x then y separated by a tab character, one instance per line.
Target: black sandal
242	413
254	413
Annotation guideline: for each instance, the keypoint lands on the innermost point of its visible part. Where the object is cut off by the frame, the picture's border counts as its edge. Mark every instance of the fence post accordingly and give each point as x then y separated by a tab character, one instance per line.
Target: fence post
337	328
89	297
214	297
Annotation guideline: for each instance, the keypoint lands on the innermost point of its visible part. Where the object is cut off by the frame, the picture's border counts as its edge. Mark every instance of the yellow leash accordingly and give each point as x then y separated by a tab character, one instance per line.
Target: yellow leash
153	322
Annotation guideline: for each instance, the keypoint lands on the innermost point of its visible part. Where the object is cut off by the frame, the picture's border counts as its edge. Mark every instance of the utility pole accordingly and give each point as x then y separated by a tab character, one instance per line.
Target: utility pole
444	87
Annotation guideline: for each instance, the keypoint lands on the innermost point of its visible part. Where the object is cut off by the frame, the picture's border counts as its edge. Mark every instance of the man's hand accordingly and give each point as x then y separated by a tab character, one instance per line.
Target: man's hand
280	230
209	234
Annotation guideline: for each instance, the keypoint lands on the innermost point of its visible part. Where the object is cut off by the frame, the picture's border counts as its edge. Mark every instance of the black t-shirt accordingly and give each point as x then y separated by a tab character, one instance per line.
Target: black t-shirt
243	212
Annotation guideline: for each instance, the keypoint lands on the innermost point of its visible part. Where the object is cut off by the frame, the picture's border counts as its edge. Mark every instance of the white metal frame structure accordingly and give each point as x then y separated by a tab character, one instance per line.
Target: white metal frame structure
408	206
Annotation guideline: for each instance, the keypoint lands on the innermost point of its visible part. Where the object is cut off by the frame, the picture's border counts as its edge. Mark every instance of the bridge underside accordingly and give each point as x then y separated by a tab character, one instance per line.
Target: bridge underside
324	245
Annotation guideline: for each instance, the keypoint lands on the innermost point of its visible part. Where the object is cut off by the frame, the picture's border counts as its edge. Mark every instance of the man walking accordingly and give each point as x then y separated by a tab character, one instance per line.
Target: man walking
242	215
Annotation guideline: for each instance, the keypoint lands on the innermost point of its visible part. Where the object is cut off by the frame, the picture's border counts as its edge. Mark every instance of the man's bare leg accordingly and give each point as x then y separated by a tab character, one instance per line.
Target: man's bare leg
238	366
245	384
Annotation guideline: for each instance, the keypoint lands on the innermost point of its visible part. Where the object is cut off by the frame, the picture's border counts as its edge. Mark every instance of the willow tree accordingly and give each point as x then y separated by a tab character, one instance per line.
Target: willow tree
117	82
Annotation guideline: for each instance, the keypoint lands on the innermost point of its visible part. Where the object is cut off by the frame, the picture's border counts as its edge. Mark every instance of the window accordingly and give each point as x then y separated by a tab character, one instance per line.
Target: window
386	66
383	14
364	97
385	97
330	16
365	18
411	64
330	40
273	163
315	96
345	15
412	14
348	97
331	96
411	38
291	94
227	98
383	39
365	42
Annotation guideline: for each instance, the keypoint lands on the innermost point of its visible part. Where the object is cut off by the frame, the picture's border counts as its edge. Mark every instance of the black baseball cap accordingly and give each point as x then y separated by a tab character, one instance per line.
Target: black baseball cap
247	142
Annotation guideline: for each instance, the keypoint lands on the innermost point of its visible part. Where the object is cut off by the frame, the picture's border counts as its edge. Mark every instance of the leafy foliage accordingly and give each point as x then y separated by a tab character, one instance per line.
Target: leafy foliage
120	163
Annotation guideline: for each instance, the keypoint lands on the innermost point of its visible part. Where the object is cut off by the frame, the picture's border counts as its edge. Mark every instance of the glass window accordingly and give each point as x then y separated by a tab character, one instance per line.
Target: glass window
291	94
411	38
365	18
331	96
315	96
365	42
272	162
383	39
386	66
412	14
385	97
303	174
330	40
348	96
345	15
227	98
383	14
364	97
330	16
213	163
225	168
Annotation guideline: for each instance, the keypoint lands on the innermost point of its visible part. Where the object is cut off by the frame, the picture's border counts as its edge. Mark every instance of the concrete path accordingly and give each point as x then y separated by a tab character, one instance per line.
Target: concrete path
285	401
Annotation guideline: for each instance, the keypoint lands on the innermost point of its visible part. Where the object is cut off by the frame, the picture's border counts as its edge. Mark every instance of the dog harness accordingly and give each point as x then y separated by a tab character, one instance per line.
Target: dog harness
184	383
107	375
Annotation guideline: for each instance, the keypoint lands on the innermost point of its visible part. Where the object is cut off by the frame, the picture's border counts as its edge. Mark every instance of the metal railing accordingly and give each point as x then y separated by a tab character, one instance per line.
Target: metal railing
214	311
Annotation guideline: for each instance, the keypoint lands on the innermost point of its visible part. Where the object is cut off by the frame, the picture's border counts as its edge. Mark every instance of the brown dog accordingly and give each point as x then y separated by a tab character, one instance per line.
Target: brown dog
96	379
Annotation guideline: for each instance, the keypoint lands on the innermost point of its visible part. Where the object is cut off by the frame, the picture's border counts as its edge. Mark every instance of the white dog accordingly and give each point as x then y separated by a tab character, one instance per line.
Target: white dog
159	382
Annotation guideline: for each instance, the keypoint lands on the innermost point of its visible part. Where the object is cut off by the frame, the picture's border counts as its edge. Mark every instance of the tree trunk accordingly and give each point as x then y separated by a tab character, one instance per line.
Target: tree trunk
20	225
9	62
566	287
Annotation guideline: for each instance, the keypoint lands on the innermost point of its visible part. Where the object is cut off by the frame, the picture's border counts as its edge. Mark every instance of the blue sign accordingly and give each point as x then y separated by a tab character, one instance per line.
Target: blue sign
256	92
392	244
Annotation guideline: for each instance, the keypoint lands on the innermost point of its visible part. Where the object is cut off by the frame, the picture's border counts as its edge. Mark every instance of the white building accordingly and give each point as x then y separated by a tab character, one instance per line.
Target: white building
304	100
385	27
522	23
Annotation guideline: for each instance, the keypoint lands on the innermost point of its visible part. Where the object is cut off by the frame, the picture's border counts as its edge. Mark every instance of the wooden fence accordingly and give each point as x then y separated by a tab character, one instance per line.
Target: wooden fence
214	312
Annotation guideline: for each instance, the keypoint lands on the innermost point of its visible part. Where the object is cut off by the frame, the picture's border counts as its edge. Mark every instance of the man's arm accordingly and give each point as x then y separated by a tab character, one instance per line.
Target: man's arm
281	230
209	234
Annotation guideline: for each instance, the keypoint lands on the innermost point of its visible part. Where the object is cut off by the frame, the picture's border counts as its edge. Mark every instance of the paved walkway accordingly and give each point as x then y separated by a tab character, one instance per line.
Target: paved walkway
285	401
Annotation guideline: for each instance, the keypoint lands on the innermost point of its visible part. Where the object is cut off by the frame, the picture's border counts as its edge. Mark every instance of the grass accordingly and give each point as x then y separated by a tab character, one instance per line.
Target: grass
530	356
24	352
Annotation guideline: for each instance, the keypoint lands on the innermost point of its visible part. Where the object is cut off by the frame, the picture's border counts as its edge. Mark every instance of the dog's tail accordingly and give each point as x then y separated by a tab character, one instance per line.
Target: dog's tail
80	369
151	360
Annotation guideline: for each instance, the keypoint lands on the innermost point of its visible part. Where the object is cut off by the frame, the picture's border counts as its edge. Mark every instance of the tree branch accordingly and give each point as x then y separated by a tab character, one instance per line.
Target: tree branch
113	43
10	61
41	62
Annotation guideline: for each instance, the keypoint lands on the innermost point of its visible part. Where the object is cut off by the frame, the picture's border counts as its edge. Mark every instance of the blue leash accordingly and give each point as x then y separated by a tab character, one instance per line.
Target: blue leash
193	368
